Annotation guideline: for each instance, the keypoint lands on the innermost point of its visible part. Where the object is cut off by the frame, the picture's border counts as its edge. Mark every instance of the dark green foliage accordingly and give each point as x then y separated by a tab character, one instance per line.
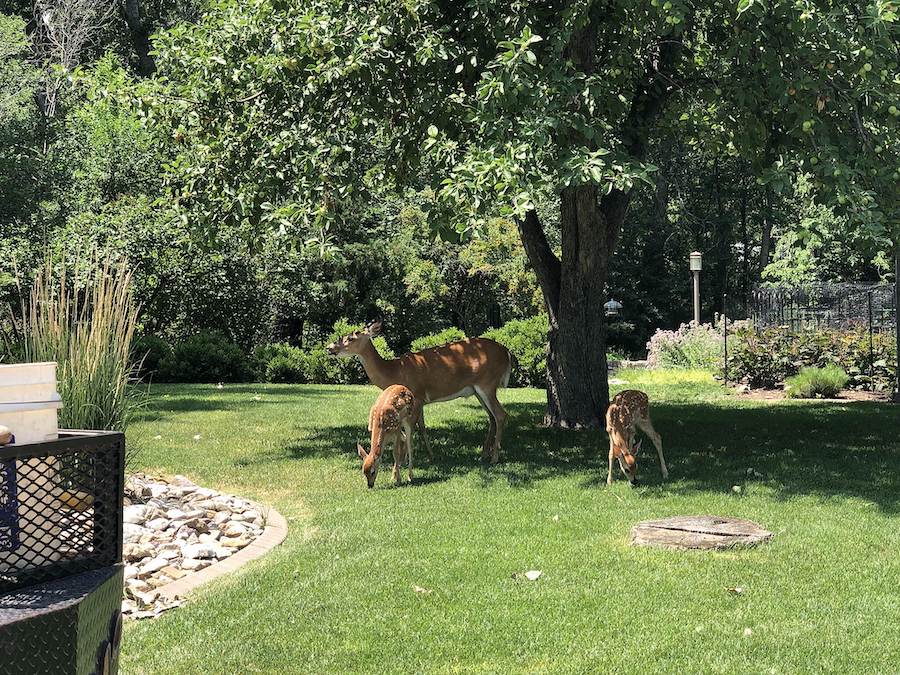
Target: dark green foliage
437	339
527	340
150	351
765	358
815	382
205	357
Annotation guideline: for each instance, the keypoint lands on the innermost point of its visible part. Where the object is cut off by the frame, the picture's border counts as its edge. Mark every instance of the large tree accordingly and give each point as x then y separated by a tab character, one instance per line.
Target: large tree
289	111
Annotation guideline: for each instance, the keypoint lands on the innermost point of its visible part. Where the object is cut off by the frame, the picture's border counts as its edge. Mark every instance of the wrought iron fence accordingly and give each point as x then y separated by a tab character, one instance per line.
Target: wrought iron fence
60	507
846	305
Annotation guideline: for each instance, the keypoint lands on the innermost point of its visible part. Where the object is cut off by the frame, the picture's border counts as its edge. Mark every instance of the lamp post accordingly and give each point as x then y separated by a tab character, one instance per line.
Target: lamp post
696	260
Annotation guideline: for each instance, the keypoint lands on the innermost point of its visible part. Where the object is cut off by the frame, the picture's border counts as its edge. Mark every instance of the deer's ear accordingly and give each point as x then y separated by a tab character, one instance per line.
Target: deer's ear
374	328
362	451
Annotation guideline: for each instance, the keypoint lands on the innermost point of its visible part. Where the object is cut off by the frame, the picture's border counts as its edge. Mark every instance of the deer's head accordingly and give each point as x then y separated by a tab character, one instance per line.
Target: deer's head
371	461
352	344
627	457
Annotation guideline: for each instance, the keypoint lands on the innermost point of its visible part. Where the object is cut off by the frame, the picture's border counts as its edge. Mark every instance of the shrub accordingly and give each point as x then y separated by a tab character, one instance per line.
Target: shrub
691	346
527	340
149	351
814	382
437	339
760	358
287	368
765	357
205	357
89	334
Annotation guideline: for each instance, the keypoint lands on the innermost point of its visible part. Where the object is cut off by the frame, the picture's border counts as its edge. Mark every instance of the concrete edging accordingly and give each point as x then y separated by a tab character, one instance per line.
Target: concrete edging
275	532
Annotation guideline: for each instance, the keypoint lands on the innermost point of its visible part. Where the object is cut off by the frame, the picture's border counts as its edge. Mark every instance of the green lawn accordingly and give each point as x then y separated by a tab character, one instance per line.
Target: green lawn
338	595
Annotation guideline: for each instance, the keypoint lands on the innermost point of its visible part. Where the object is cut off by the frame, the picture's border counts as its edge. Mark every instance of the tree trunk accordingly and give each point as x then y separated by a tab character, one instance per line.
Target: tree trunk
140	36
577	388
574	285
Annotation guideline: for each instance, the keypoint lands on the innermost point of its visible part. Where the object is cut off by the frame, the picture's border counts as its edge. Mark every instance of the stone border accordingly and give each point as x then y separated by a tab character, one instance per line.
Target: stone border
275	532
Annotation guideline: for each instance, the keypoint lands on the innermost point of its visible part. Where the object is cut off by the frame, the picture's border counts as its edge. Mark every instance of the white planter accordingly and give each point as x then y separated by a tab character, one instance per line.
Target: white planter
33	421
29	408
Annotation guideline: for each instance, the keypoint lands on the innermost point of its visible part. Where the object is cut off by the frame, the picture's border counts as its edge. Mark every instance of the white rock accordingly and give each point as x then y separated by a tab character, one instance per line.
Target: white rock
240	517
201	550
131	571
252	514
154	565
194	513
157	490
183	481
234	529
221	517
175	514
222	552
136	514
158	524
133	552
169	554
133	533
210	537
192	564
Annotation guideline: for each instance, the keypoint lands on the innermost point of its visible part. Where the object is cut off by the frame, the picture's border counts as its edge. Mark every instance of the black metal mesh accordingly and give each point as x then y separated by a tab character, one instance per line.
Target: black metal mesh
825	306
60	507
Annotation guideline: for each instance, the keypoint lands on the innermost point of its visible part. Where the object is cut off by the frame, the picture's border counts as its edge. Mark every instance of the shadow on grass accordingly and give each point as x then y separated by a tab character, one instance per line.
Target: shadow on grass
825	449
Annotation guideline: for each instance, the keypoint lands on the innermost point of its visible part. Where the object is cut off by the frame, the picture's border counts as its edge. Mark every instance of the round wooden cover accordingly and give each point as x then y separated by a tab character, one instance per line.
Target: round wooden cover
708	532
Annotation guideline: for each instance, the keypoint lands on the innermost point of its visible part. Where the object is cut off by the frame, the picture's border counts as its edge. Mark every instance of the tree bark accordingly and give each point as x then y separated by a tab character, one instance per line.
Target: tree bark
574	285
140	36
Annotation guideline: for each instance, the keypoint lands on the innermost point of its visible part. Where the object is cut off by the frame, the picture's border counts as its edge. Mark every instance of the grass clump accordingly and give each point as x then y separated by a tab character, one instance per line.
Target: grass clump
824	382
87	327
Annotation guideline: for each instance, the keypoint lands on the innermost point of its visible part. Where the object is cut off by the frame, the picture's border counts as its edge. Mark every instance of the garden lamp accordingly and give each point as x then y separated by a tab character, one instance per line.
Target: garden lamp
696	260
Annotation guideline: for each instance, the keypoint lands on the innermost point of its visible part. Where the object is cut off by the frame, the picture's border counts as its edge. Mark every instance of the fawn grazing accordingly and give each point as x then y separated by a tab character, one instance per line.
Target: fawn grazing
390	421
471	367
629	410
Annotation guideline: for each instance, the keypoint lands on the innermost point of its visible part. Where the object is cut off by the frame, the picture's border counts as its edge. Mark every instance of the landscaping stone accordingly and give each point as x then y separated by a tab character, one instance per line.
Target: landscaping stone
174	528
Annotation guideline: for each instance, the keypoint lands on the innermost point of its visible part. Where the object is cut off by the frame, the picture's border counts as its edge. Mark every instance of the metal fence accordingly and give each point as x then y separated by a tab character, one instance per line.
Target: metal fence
847	305
60	507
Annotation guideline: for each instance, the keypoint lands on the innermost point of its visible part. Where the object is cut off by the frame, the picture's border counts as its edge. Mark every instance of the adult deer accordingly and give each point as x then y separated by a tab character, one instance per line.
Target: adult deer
472	367
628	410
390	423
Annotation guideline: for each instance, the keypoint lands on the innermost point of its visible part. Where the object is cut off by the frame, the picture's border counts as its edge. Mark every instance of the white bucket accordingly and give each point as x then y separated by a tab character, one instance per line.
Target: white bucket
33	421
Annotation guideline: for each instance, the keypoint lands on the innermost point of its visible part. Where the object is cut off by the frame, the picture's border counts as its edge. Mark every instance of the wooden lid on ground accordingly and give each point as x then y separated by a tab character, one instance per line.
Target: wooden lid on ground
704	532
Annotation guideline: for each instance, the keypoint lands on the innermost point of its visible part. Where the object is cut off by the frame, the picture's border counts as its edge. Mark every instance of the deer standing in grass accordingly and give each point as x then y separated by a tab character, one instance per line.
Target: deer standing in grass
391	419
472	367
627	411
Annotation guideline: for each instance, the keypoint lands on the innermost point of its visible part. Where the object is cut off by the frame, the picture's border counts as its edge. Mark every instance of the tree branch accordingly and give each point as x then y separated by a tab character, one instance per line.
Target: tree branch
542	258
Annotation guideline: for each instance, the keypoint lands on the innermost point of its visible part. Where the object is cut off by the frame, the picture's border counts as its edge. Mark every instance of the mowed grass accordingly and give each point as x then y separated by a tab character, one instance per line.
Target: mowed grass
339	595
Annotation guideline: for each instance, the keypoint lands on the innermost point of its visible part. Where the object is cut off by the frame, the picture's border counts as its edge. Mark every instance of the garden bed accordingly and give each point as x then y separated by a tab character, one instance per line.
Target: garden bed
175	529
846	395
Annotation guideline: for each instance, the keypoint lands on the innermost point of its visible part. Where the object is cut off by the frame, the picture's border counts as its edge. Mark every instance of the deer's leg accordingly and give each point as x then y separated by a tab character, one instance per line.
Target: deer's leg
647	427
498	420
492	427
609	476
420	426
398	458
407	440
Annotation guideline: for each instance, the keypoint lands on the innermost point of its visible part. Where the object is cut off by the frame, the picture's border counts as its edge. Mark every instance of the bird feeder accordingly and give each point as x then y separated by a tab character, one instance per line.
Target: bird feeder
612	307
